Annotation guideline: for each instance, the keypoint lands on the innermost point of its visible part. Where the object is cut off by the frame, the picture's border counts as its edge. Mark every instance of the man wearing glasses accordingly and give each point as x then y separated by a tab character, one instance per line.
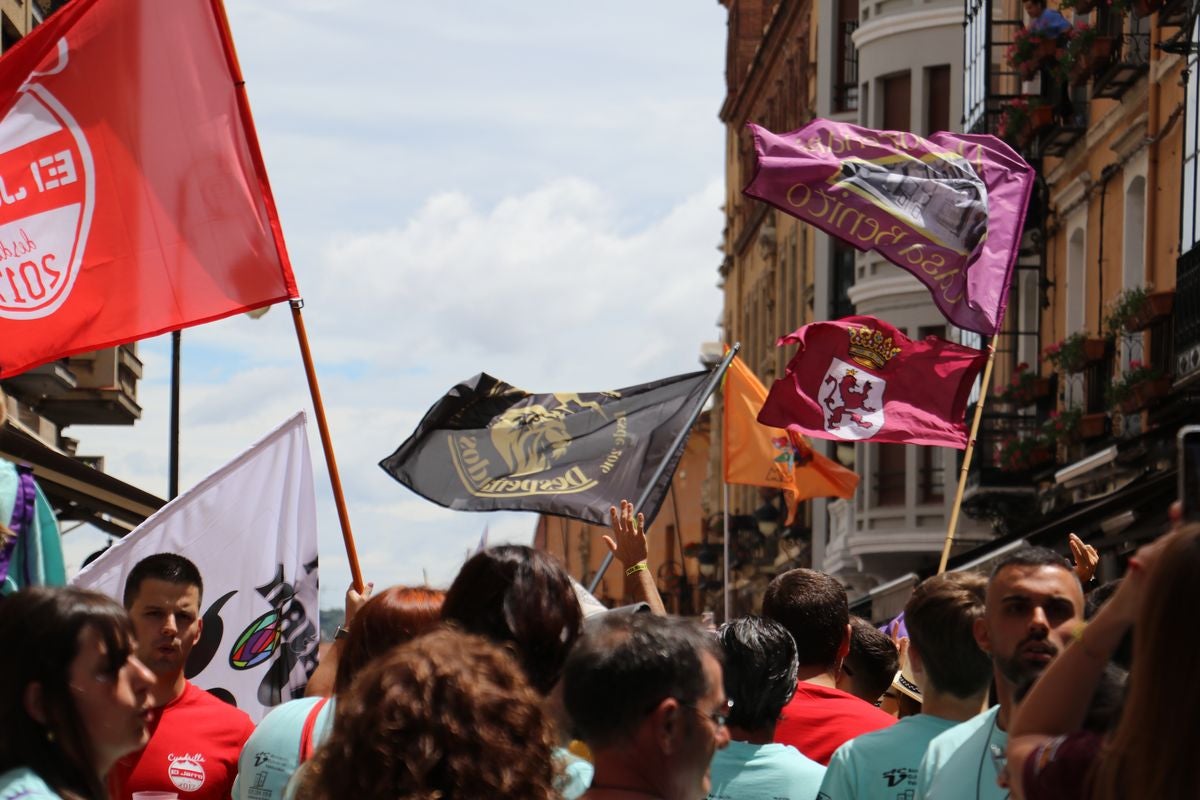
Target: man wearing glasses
647	696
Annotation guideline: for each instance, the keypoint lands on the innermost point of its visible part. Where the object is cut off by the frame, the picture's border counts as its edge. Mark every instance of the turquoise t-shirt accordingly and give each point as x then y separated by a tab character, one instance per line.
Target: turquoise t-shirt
744	771
272	753
23	783
882	764
575	774
959	762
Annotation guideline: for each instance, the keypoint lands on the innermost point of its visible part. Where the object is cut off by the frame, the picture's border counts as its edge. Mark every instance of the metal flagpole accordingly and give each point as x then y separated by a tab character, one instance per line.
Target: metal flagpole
173	449
728	598
680	438
966	465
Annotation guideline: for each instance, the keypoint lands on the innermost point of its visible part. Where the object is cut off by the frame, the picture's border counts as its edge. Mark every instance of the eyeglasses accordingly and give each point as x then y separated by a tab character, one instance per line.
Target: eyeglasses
720	717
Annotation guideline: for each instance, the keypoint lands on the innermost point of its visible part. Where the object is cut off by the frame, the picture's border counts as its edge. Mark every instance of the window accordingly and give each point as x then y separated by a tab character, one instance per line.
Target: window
843	279
937	114
930	472
845	85
1191	164
897	102
889	477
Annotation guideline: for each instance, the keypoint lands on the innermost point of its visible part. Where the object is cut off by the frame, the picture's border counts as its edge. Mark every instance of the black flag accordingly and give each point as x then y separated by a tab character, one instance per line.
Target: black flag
489	446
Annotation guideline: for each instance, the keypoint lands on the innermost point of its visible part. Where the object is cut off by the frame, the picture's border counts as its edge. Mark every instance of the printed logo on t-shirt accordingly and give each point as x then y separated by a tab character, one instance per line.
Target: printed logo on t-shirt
186	771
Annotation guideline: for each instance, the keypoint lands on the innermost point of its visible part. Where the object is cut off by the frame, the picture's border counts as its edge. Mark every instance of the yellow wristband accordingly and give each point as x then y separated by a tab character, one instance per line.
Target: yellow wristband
638	567
1077	637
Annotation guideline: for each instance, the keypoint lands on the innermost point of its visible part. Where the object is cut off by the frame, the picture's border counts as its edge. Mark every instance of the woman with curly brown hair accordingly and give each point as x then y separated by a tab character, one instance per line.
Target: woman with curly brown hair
448	715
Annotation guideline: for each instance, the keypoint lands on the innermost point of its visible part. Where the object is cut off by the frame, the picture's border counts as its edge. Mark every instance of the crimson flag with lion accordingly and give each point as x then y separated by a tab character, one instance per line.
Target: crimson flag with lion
859	378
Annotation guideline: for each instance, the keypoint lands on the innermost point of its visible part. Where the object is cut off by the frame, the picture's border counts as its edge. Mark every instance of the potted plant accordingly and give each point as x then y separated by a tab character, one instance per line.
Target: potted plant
1087	53
1021	453
1025	386
1062	426
1022	118
1075	352
1029	50
1138	308
1138	387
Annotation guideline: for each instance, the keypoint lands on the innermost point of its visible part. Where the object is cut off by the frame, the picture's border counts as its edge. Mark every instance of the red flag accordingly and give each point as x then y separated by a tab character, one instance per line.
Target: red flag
133	198
859	378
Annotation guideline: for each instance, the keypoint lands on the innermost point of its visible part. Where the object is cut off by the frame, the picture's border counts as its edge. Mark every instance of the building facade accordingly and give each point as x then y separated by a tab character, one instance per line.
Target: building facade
882	64
1100	365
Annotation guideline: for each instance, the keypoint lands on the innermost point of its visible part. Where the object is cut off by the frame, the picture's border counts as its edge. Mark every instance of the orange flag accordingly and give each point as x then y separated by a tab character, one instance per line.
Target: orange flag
758	455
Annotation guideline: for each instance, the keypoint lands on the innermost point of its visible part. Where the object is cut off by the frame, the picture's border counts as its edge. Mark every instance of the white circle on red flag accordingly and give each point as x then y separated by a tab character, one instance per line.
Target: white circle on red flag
47	195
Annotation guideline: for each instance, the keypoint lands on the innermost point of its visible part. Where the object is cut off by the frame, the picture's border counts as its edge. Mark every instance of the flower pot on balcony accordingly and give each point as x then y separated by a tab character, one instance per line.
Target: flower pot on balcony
1040	118
1158	306
1094	60
1092	426
1144	8
1094	351
1146	393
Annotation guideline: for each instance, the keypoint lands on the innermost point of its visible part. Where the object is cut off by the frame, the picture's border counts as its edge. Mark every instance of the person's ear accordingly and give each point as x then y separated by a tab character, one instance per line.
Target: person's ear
844	647
981	636
199	631
34	705
666	724
916	663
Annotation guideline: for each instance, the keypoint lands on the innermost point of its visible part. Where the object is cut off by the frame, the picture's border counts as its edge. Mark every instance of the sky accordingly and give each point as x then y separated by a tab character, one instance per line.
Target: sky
529	189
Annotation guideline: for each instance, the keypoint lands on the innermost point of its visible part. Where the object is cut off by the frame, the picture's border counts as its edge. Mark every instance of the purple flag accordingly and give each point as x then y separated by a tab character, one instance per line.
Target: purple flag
949	208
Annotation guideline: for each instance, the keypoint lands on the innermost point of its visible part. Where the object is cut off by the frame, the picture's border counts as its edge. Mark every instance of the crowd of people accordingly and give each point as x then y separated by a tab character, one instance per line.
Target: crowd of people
503	687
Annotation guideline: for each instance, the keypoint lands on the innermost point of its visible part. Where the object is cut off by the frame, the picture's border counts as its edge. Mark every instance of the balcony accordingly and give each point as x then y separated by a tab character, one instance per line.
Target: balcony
105	392
48	380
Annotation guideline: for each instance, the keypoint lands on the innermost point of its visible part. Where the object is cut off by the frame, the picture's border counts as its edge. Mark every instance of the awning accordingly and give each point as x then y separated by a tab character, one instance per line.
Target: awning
77	491
1147	497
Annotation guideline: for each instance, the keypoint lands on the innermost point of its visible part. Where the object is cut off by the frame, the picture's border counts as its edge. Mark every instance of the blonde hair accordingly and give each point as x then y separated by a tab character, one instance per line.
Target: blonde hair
1151	751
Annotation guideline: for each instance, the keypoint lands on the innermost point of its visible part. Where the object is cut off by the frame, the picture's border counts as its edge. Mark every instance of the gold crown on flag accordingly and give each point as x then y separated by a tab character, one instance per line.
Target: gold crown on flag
870	348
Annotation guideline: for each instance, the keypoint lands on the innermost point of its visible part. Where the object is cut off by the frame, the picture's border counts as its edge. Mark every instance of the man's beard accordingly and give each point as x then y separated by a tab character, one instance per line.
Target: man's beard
1017	672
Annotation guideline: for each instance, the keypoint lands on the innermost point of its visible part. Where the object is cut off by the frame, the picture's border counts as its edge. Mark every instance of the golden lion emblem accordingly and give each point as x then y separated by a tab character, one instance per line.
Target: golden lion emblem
530	438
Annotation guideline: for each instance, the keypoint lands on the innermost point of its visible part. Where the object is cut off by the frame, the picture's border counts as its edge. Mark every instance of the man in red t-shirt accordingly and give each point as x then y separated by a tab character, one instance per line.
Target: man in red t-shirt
195	738
820	717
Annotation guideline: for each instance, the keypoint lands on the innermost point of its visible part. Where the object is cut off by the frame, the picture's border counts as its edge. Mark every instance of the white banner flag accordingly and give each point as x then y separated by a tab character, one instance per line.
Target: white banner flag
251	529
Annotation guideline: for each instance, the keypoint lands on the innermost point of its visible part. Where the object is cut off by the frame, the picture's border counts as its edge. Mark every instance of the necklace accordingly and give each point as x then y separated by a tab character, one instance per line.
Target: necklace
983	754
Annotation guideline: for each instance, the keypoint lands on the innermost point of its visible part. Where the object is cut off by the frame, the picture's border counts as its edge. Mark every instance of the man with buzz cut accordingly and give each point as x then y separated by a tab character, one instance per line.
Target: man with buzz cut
953	675
1034	606
195	738
812	607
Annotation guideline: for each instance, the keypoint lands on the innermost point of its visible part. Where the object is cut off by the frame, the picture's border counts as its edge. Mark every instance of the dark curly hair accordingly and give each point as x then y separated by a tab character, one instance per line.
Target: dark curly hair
46	623
522	597
446	715
394	616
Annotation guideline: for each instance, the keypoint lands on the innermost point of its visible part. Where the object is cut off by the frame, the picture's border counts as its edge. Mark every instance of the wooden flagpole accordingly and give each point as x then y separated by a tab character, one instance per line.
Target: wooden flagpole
966	465
327	445
296	302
